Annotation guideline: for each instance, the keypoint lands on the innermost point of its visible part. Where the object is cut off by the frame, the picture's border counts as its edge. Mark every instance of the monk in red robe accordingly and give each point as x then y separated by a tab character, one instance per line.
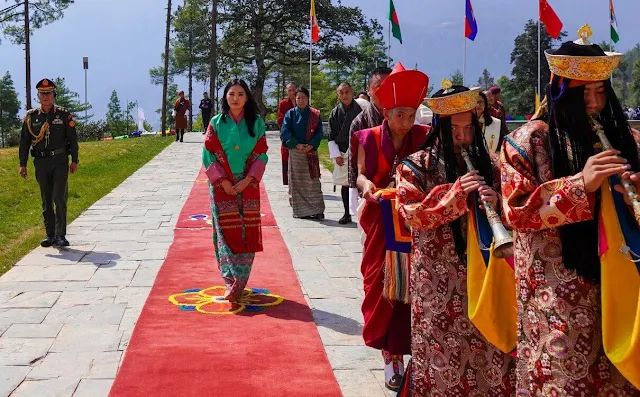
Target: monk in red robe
285	105
387	322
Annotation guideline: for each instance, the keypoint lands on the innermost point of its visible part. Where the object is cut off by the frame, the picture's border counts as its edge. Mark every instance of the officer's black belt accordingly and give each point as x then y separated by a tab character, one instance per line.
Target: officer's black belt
48	153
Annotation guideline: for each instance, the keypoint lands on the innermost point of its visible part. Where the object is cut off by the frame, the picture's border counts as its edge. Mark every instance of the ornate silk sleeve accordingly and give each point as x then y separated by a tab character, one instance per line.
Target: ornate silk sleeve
531	199
441	205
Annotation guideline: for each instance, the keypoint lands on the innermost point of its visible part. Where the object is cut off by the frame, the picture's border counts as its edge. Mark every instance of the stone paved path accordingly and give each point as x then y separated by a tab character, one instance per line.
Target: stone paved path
66	316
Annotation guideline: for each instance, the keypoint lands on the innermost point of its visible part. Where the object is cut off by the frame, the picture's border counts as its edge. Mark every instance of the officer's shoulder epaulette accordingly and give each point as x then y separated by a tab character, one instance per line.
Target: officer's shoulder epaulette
61	109
31	111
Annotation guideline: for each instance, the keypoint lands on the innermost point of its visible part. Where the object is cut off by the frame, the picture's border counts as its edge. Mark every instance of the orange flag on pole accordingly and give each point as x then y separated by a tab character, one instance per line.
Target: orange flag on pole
315	28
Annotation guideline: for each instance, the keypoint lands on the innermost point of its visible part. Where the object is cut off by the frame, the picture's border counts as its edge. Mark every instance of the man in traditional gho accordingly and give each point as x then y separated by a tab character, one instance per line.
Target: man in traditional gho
371	116
376	153
435	191
572	339
339	124
284	106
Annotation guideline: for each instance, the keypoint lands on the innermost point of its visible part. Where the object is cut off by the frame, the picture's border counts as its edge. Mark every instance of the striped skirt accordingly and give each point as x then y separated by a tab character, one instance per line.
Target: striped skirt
235	268
305	194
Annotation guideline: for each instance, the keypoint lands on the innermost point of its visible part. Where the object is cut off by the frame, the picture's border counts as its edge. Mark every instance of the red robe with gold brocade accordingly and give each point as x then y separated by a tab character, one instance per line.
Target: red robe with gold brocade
560	349
450	356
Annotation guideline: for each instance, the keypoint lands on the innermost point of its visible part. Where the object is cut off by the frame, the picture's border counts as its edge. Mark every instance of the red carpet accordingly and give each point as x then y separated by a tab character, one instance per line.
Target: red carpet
176	350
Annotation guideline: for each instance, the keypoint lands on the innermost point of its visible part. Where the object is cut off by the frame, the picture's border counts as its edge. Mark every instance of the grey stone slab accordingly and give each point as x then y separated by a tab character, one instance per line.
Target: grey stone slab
11	377
23	351
49	273
321	251
101	257
52	257
133	296
42	286
83	338
145	276
358	383
354	357
320	286
47	388
107	246
87	315
111	278
22	316
338	310
31	299
94	388
33	331
130	318
122	265
341	268
148	254
88	296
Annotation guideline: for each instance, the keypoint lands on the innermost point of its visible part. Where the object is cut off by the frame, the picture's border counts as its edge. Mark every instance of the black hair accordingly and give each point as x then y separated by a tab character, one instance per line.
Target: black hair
439	143
250	107
303	90
571	143
487	110
364	93
344	83
379	71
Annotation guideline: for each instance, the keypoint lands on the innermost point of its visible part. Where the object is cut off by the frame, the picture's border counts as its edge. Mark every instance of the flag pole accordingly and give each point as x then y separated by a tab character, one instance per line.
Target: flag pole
539	60
389	48
464	62
310	67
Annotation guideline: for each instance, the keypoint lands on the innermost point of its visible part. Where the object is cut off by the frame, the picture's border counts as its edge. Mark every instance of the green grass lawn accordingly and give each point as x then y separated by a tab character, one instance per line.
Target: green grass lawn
103	166
323	154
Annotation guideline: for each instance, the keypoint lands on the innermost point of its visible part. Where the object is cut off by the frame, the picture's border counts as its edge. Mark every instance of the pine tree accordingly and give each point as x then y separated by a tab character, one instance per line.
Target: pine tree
115	120
9	107
71	101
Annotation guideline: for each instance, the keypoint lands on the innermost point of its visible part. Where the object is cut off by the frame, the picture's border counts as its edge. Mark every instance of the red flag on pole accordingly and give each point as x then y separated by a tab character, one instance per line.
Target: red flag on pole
550	19
315	28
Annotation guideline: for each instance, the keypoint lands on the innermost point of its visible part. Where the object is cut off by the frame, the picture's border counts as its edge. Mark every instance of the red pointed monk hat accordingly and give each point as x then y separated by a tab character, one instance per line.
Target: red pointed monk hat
403	88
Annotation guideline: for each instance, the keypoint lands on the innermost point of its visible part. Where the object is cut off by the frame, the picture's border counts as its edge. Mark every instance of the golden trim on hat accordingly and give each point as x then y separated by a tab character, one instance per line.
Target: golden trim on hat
45	85
586	68
455	103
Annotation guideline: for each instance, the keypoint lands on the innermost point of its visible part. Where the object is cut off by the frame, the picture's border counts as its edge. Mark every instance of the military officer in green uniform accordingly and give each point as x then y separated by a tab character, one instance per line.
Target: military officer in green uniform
49	133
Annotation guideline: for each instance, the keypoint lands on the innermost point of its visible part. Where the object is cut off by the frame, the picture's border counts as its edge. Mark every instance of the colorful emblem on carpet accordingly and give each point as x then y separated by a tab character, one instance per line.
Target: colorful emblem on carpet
201	217
202	180
211	300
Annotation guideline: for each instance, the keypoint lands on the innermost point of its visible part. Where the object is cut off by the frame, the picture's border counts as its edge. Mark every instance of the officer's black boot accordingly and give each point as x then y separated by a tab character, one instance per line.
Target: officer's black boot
60	242
47	242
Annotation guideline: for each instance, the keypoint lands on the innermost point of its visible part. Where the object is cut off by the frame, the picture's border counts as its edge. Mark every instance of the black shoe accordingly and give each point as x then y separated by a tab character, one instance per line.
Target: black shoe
345	220
319	217
60	241
47	242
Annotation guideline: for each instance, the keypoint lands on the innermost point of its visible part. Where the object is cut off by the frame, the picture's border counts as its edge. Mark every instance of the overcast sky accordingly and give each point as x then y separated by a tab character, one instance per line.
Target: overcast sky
124	38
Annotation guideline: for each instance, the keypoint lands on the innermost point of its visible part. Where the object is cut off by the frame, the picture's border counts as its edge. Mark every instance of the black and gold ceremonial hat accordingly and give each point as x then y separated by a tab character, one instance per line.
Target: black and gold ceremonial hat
453	99
45	85
582	61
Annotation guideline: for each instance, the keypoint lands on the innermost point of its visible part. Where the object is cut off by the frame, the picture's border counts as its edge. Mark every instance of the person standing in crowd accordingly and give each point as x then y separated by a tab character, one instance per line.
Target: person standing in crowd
371	116
450	357
339	123
301	134
555	190
206	106
364	95
235	157
497	108
181	107
50	133
375	153
284	106
493	129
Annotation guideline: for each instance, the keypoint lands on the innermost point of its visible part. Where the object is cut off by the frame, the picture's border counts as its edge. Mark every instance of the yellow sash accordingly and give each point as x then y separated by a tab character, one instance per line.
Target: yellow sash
492	294
620	296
